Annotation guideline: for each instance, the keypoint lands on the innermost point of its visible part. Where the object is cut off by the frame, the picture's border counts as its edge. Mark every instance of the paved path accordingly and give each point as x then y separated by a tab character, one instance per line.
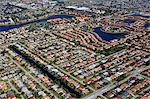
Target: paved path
63	71
144	76
111	86
12	86
27	73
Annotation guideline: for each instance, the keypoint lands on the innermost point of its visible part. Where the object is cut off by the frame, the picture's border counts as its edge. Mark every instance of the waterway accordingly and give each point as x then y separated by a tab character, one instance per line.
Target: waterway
9	27
147	25
128	21
108	36
144	16
1	21
51	76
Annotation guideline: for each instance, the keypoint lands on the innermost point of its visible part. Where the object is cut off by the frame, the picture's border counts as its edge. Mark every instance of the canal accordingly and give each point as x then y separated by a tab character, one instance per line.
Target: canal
51	76
9	27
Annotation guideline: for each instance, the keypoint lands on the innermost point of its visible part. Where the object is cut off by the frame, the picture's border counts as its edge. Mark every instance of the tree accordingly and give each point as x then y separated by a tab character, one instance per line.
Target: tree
148	63
3	52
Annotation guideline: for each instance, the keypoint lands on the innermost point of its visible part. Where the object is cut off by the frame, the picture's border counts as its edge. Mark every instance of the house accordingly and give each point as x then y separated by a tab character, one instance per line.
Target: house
118	89
12	97
110	94
124	86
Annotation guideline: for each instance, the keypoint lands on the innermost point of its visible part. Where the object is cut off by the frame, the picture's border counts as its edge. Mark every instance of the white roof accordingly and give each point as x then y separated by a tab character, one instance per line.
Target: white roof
108	78
118	89
78	8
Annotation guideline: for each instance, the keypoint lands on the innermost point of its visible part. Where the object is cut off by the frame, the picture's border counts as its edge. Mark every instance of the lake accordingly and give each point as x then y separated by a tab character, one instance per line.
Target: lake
147	25
128	21
108	36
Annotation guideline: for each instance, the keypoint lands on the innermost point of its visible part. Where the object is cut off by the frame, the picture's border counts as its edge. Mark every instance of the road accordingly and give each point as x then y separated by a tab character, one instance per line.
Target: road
141	92
111	86
27	73
13	87
103	89
61	70
144	76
